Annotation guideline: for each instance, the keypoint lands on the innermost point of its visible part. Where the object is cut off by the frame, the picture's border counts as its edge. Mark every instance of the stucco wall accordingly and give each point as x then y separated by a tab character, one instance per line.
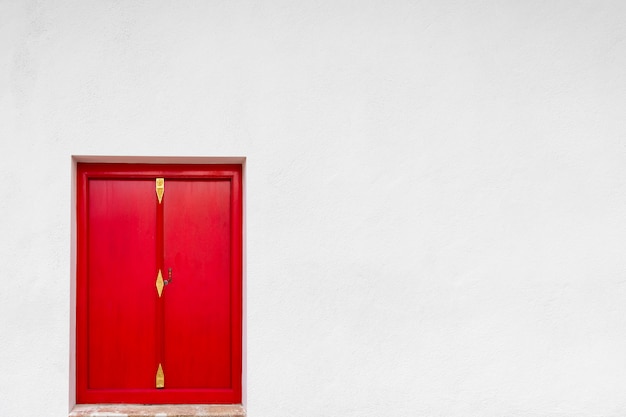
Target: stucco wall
436	192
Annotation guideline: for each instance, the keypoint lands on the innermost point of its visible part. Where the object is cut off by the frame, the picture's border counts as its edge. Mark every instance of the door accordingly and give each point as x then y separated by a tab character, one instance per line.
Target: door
159	283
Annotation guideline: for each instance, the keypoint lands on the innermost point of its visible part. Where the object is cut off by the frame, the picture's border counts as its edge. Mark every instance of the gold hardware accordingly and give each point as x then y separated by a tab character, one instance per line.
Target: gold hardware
160	377
159	283
160	188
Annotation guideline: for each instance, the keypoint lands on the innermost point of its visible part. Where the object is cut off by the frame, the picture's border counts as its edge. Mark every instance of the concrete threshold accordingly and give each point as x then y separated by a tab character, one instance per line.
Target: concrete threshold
158	410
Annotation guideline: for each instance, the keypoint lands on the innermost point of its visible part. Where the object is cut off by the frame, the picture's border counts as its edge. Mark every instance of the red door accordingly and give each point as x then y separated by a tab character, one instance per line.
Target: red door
159	284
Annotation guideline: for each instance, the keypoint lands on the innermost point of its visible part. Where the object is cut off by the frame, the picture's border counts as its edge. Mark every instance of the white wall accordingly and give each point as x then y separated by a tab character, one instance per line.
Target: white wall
436	191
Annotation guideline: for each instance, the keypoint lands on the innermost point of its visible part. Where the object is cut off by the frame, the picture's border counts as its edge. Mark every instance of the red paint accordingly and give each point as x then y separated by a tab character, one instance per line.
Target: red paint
124	330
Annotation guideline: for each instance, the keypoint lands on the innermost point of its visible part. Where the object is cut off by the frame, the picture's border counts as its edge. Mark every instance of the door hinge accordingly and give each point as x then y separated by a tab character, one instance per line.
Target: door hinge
160	188
160	377
159	283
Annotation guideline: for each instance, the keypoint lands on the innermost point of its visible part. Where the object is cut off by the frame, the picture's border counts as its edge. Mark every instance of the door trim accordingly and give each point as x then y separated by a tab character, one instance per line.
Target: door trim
146	163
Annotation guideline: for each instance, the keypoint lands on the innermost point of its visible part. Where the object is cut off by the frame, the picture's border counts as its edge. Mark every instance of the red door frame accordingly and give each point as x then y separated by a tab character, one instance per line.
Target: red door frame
89	171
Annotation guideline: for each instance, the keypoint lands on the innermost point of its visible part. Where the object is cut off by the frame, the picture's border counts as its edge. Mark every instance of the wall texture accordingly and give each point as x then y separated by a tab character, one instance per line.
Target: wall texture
436	191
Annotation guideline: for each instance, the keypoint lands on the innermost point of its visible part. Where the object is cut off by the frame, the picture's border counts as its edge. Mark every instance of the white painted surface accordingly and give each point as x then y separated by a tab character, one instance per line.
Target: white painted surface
436	201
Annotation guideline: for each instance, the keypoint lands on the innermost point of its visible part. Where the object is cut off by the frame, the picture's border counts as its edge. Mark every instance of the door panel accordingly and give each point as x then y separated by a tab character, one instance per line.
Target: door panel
121	294
124	331
197	319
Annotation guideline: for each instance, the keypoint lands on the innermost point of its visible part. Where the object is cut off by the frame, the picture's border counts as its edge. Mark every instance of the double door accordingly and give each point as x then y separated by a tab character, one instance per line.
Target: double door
159	283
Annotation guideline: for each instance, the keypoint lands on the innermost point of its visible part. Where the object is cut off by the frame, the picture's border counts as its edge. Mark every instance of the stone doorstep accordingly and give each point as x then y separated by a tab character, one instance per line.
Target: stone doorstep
165	410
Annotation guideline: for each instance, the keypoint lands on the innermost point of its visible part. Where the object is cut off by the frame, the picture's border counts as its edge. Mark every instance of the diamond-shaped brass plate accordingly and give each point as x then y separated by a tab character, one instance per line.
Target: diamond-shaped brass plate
159	283
160	377
160	188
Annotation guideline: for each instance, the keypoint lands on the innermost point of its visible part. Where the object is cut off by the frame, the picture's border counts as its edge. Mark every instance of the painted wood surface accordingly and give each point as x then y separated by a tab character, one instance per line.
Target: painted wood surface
124	329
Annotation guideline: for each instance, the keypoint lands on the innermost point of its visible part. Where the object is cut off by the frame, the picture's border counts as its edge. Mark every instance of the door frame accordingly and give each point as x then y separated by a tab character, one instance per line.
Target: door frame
170	161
